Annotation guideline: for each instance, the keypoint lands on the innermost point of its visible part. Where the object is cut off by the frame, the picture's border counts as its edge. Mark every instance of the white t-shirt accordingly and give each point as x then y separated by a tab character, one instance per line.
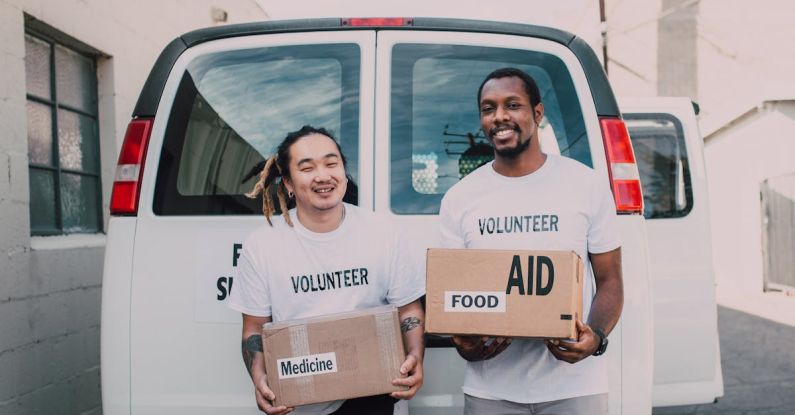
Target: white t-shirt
291	272
560	206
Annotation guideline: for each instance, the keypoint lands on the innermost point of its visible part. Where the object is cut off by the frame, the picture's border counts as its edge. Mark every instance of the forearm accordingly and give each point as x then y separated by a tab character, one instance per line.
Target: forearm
606	306
251	345
412	323
609	299
253	357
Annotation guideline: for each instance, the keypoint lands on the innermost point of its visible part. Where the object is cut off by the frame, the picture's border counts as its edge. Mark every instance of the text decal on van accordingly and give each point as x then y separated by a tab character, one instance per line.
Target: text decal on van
313	364
474	301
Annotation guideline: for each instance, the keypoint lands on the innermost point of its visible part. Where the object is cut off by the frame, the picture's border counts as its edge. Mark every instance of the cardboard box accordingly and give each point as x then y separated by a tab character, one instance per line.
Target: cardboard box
499	293
339	356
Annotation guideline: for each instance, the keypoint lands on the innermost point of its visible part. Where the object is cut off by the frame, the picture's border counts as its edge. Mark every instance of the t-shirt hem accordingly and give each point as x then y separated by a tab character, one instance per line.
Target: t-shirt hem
409	299
604	248
249	311
530	400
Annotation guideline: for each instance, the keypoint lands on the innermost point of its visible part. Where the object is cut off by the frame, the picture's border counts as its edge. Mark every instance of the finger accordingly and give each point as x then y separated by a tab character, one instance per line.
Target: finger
502	346
406	394
561	354
407	381
408	364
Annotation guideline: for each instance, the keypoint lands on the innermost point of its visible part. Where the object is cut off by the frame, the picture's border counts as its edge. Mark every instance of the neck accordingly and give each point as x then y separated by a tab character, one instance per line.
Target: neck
526	163
321	221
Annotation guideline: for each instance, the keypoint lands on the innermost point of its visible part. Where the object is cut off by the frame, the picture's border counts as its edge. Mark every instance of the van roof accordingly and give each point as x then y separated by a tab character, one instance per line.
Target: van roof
604	99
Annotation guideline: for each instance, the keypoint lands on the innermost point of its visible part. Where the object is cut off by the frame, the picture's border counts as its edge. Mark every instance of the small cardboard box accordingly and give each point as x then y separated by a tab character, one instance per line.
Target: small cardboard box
338	356
503	293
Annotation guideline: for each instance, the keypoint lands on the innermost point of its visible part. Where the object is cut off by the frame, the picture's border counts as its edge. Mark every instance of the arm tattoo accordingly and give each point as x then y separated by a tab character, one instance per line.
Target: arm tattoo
409	324
251	346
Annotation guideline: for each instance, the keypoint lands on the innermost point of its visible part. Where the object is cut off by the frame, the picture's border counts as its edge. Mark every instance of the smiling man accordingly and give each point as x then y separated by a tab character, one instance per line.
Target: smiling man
359	256
575	212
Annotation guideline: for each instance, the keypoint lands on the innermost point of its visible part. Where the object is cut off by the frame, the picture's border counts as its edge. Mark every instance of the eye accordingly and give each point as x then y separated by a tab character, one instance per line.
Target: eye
306	169
486	109
514	105
332	164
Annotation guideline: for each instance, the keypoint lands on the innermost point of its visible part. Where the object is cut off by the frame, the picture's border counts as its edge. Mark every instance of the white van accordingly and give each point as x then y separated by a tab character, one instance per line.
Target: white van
669	152
400	95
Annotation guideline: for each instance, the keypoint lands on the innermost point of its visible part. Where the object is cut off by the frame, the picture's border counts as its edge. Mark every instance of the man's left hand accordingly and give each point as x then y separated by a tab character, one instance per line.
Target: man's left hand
573	351
411	372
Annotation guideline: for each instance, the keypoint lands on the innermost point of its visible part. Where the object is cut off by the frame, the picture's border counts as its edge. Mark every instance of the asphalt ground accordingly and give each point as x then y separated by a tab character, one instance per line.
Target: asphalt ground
758	359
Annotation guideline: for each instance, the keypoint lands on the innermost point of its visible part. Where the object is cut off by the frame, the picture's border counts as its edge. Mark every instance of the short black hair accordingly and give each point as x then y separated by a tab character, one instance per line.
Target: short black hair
530	86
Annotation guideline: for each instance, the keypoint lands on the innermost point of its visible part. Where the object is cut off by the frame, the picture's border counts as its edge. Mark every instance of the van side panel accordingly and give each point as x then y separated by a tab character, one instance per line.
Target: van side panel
115	334
637	348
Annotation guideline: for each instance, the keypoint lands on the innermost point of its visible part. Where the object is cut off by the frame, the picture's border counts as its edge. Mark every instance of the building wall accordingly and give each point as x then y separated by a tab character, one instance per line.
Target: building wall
739	159
50	286
738	63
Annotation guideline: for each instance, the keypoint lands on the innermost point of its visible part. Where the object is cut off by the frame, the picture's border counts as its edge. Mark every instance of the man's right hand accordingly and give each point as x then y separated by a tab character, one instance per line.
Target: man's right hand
265	397
476	348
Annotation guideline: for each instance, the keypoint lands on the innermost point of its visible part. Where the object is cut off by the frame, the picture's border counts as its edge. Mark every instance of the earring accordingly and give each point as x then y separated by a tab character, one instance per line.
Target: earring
289	194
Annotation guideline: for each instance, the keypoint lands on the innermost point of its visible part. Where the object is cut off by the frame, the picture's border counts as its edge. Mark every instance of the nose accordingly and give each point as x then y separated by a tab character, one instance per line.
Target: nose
322	176
501	113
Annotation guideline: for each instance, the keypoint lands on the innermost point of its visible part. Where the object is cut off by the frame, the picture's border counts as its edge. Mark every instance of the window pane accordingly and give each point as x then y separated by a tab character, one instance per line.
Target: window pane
435	137
233	108
79	203
42	201
75	79
77	142
37	67
39	133
659	145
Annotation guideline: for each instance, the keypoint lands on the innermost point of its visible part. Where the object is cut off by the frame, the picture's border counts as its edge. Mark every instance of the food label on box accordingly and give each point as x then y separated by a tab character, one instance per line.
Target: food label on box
309	365
474	301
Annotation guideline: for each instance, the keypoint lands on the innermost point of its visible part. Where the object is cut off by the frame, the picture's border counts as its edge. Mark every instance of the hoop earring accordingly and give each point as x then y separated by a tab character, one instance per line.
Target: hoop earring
290	194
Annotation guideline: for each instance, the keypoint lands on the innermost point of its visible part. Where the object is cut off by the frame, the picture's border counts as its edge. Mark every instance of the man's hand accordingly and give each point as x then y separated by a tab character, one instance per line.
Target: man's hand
411	370
476	348
265	397
573	351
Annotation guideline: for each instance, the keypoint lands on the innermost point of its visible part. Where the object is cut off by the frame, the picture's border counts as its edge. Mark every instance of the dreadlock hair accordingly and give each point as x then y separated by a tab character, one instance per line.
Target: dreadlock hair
277	169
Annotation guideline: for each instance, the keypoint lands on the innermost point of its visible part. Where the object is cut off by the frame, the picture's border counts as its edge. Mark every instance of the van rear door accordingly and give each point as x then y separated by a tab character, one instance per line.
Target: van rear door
225	107
432	124
669	151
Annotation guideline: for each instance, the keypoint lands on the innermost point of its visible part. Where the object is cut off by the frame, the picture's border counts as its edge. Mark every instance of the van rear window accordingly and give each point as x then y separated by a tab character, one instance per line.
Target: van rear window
435	126
660	150
233	108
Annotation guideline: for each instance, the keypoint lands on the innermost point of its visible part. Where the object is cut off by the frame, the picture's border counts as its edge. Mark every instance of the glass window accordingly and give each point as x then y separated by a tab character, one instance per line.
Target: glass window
659	144
233	108
435	125
63	142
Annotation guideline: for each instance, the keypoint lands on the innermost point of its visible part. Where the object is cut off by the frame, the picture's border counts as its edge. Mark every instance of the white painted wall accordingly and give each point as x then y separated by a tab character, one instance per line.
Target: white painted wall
758	146
50	287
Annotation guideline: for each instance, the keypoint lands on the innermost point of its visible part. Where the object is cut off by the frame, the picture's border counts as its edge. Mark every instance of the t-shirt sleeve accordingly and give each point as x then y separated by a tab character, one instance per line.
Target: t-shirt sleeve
450	233
603	233
407	275
250	288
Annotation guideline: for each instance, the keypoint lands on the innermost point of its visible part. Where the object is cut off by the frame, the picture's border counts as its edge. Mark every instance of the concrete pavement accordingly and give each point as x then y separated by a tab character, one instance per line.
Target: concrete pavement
758	359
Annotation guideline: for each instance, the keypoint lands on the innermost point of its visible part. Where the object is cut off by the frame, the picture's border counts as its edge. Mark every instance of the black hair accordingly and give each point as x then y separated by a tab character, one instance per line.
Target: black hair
530	86
278	167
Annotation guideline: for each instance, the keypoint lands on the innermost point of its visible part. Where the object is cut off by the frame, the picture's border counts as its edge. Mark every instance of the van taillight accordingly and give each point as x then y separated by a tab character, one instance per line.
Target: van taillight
621	166
130	169
377	21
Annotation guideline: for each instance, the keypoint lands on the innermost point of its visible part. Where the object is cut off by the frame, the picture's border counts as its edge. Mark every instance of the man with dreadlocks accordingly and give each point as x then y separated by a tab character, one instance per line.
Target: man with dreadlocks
324	256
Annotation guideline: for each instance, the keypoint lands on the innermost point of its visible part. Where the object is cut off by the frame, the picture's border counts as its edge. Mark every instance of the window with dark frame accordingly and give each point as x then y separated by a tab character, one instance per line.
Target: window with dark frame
63	138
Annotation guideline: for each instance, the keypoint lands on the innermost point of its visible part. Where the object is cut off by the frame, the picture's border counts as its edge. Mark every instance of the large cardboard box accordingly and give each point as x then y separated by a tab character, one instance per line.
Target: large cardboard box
338	356
503	293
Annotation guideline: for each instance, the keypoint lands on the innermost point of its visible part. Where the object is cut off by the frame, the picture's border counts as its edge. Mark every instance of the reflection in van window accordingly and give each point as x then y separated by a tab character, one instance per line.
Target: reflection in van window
435	126
659	144
233	108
